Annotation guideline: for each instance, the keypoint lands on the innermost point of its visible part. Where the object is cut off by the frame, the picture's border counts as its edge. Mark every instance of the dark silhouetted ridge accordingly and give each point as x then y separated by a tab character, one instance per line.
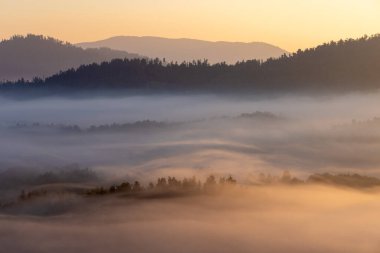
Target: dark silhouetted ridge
39	56
350	65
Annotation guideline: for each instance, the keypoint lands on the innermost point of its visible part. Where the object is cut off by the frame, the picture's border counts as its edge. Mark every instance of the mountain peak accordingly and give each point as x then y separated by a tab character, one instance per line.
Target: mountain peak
185	49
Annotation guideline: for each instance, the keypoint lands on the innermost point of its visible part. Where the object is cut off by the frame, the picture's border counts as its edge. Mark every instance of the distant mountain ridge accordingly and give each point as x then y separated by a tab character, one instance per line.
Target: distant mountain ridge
334	67
180	50
38	56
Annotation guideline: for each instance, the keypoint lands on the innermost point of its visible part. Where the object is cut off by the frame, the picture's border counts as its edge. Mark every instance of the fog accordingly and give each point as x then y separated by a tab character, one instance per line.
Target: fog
193	132
250	219
142	137
186	107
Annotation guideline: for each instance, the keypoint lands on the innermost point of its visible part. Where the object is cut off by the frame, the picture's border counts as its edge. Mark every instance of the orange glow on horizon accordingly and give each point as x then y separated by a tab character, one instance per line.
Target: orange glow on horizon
289	24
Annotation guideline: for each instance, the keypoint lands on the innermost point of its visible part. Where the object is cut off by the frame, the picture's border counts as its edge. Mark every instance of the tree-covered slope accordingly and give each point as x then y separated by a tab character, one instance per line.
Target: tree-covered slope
39	56
336	66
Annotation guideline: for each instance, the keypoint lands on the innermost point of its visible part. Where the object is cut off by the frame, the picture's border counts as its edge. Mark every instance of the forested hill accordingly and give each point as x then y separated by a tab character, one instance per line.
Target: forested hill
336	66
189	49
38	56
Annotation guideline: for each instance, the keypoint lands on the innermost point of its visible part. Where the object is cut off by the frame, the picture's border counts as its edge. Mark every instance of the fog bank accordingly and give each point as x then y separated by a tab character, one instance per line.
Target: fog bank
259	219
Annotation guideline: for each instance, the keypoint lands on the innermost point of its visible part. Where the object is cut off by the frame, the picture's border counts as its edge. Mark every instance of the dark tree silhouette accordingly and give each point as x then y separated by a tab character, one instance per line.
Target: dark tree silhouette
35	55
336	66
137	187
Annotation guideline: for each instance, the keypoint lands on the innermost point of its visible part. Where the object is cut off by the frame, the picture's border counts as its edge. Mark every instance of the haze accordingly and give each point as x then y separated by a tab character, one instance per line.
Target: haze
288	24
299	133
189	126
187	50
269	219
143	137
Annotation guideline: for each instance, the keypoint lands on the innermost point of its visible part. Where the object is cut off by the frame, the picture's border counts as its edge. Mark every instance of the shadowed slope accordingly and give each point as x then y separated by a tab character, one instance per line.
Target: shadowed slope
38	56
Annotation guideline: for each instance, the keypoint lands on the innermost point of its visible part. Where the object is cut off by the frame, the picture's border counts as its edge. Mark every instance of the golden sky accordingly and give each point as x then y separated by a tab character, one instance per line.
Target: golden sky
290	24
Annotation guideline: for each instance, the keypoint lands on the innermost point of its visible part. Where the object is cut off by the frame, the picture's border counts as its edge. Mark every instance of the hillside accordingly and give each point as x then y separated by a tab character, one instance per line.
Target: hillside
179	50
38	56
350	65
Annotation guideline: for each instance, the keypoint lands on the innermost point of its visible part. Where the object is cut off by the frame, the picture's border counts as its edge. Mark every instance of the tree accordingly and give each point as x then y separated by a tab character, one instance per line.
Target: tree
137	187
125	187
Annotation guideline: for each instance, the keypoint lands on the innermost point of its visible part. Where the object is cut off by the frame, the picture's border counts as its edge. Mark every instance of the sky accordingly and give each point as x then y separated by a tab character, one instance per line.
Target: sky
289	24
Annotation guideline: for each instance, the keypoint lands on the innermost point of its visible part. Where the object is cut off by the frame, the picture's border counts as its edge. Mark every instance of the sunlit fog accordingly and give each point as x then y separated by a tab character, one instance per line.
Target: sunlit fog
189	126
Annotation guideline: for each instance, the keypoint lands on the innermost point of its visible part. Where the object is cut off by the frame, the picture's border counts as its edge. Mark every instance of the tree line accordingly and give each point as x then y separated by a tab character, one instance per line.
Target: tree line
338	65
172	187
167	185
